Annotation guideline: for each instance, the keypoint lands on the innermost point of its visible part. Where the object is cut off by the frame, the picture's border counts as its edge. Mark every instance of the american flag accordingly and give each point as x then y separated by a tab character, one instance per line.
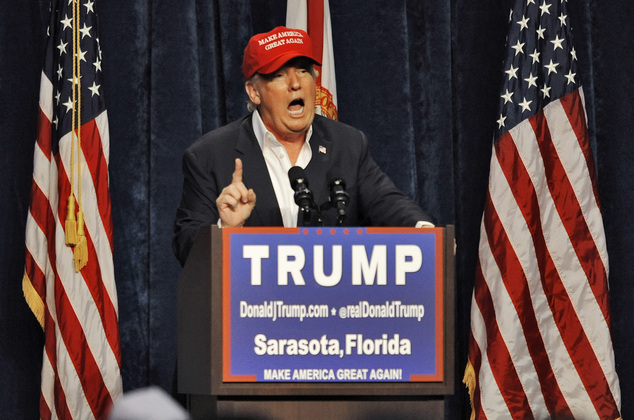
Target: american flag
540	344
313	16
73	294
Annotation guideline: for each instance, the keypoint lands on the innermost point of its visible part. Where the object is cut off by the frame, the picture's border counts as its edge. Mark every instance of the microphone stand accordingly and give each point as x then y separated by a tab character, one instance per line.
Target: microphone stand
307	215
304	197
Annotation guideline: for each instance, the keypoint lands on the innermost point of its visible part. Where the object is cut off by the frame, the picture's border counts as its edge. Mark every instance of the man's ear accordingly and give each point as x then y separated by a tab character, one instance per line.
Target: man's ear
253	93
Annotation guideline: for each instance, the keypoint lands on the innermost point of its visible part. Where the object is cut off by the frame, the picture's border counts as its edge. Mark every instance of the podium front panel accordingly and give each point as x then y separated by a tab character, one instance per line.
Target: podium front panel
330	311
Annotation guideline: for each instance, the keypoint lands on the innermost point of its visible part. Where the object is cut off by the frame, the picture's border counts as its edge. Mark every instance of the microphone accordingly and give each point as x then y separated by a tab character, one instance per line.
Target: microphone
338	196
303	196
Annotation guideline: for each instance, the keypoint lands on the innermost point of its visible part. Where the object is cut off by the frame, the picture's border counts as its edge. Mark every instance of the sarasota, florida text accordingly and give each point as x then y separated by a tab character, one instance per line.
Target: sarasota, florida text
354	344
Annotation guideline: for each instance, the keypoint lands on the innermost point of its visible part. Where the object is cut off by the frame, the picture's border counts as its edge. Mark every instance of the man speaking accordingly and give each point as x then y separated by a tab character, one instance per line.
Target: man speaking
282	165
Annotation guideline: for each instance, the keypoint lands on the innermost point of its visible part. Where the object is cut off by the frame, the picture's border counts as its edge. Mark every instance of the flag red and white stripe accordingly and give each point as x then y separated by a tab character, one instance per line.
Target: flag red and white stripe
77	309
313	16
540	344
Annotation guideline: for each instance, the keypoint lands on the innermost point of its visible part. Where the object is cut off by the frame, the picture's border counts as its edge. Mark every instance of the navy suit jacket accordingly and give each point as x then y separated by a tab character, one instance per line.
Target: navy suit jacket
208	166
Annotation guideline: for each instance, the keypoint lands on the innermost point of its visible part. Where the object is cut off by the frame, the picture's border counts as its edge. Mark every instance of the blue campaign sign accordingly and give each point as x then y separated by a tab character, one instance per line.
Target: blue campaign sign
332	305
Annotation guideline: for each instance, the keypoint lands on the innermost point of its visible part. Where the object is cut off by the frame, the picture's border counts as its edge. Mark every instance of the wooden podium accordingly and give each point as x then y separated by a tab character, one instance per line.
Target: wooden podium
200	358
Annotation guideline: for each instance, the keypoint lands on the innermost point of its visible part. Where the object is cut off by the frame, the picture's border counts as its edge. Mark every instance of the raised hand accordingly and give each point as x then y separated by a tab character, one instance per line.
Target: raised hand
235	203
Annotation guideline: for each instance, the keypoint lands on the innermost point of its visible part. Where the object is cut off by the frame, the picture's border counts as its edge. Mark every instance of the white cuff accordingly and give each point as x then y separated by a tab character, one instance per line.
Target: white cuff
424	224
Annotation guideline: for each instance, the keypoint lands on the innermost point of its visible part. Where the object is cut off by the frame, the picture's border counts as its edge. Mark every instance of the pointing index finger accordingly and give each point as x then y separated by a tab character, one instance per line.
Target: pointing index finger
237	173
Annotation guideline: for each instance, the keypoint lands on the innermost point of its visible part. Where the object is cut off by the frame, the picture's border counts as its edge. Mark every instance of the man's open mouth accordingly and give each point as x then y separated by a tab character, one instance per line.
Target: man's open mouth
296	106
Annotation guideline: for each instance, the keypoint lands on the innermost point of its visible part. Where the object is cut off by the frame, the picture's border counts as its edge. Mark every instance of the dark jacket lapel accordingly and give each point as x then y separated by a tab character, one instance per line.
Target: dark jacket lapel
255	175
316	170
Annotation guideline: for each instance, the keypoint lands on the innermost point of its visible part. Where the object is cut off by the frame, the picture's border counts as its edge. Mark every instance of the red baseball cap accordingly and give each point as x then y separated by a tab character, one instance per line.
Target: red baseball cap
269	51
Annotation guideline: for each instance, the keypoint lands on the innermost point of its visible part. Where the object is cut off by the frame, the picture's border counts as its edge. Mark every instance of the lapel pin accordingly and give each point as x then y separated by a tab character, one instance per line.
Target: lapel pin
322	149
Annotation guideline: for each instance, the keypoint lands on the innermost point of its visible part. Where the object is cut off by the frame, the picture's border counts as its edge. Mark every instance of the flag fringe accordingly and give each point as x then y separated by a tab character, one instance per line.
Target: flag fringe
470	382
33	299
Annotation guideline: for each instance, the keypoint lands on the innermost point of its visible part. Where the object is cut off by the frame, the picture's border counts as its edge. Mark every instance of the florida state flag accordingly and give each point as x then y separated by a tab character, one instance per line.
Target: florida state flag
313	16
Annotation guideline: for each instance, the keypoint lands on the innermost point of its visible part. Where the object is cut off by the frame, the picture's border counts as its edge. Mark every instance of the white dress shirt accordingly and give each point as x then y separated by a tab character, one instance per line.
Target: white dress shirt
278	163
